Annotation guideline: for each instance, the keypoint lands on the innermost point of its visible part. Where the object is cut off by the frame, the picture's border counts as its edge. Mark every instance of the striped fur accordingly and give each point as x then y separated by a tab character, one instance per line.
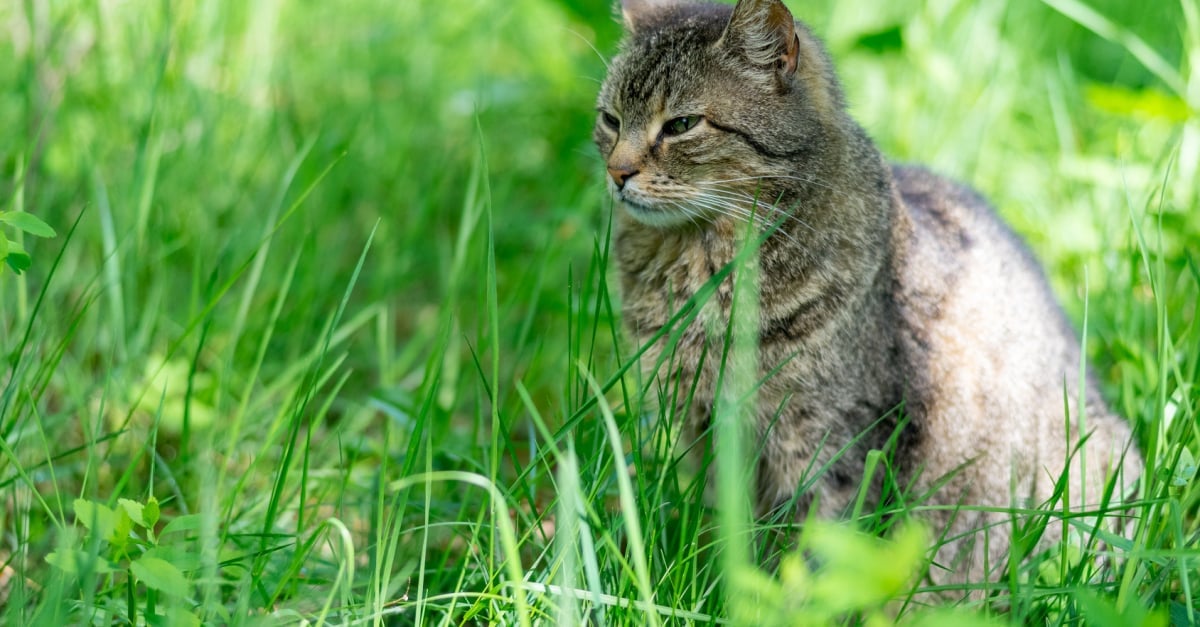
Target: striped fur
882	287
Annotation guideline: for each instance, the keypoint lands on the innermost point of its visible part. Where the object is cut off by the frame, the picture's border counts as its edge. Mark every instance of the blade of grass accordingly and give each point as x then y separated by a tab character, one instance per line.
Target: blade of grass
629	509
1088	18
507	534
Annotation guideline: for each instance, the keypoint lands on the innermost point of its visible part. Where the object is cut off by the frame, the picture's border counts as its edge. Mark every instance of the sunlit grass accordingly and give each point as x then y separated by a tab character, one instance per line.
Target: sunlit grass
329	287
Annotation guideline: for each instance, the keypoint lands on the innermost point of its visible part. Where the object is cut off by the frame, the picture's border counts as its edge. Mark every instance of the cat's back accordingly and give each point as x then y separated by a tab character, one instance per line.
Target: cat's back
965	276
989	350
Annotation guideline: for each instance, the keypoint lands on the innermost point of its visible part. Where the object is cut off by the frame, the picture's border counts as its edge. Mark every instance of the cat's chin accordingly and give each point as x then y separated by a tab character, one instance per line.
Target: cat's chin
654	216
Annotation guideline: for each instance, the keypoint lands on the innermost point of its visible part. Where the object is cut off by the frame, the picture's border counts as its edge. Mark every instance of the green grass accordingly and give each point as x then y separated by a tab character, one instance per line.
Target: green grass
328	291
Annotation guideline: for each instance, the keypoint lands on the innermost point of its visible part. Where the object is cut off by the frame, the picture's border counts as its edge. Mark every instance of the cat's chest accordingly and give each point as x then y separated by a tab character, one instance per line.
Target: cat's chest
665	272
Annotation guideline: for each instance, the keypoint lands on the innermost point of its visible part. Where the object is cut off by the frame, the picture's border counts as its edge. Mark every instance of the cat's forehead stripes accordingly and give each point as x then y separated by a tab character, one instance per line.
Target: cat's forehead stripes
678	47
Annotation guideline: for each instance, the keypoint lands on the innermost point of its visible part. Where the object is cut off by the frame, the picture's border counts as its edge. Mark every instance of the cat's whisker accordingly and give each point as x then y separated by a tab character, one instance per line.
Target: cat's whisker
785	177
741	212
688	212
759	177
766	211
588	42
731	202
757	201
740	198
684	209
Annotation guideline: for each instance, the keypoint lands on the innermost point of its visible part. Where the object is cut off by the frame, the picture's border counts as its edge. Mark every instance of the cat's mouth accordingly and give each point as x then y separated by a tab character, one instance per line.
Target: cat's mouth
636	206
651	215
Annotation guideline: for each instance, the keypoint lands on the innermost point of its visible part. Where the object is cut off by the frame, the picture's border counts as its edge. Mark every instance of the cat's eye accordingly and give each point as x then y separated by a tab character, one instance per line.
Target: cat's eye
610	120
679	126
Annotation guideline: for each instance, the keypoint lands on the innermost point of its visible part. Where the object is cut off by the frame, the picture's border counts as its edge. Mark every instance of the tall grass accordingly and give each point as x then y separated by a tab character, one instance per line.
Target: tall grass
326	334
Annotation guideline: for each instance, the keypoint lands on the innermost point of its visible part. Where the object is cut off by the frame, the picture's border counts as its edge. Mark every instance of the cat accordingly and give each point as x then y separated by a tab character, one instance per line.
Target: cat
884	290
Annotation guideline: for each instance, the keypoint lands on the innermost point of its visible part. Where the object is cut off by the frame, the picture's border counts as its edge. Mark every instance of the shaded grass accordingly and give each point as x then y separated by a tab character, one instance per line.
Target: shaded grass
349	436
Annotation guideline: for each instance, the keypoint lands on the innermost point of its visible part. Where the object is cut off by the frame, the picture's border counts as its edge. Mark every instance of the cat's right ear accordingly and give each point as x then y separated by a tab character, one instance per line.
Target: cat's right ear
764	33
635	14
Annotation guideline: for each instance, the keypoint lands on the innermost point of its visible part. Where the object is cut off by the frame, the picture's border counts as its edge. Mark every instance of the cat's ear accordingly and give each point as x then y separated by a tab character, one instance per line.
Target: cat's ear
764	33
636	13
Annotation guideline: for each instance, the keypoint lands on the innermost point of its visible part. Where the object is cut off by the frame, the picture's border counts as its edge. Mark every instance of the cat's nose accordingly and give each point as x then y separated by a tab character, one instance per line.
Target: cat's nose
621	174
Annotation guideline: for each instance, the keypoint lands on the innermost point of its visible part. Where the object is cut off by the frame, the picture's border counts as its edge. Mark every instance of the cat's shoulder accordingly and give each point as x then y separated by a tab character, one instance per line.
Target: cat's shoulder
959	249
952	212
937	197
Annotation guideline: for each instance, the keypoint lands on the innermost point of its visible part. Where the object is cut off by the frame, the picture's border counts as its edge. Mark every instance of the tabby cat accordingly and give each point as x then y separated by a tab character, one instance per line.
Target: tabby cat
881	286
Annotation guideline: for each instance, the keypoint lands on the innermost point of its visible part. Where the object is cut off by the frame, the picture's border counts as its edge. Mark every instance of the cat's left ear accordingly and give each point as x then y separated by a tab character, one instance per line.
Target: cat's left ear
635	13
764	33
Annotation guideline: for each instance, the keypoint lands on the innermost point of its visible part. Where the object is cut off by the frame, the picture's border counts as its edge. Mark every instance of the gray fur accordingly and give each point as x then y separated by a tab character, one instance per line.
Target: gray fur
884	285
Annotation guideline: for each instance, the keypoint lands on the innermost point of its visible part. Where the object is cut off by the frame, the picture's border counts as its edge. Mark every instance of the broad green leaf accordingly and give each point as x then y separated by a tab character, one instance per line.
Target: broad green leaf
954	617
3	246
27	222
99	519
74	561
180	524
180	617
861	571
134	509
184	558
1185	470
121	530
67	561
1102	612
160	575
1050	571
757	598
19	262
150	513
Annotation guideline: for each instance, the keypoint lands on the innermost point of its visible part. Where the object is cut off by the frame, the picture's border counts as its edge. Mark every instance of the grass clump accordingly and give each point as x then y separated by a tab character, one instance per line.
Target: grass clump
314	324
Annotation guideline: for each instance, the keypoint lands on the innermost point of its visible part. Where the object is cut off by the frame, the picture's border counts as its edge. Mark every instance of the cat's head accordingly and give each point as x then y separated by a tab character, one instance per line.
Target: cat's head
712	109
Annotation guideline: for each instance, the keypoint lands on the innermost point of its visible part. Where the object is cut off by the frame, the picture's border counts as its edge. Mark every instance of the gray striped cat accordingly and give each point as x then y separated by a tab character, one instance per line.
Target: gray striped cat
883	285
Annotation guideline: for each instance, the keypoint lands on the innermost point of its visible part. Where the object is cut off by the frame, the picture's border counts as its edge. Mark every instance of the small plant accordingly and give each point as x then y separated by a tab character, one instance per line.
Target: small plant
839	573
121	546
12	252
